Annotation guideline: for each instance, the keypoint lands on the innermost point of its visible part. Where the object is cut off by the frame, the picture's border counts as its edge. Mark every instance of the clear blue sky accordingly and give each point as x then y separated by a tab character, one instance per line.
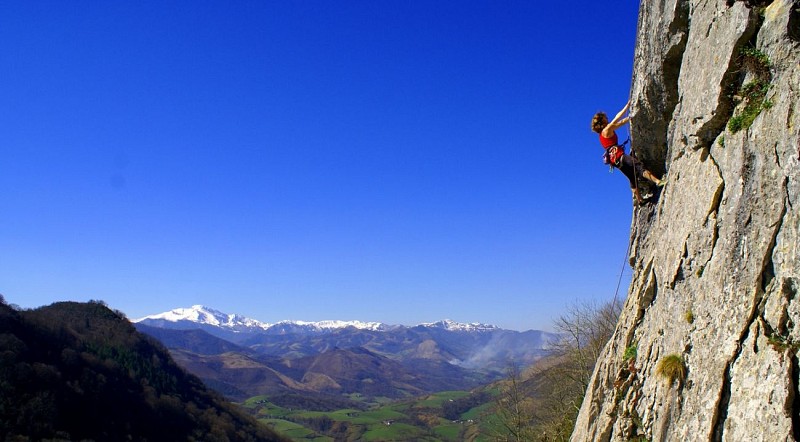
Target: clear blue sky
394	161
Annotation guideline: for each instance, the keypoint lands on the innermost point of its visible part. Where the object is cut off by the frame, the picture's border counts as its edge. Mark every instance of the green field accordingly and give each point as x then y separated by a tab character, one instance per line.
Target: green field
393	432
449	431
418	419
295	431
436	400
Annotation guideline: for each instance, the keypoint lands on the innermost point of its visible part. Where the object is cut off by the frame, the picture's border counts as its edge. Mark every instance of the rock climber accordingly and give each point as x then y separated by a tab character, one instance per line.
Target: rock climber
615	153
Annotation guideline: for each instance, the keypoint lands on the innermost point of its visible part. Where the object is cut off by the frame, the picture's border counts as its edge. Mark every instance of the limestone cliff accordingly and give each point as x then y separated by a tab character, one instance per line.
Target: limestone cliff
715	257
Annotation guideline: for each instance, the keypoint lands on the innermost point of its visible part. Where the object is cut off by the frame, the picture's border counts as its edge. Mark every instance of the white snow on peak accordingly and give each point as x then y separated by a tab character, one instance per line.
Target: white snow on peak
335	324
451	325
205	315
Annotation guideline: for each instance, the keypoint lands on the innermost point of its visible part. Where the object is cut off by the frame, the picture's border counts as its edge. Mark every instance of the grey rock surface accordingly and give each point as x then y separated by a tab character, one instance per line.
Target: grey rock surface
715	257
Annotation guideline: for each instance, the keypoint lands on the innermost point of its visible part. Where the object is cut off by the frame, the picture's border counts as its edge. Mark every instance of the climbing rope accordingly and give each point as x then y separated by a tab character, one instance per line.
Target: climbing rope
636	58
636	229
621	272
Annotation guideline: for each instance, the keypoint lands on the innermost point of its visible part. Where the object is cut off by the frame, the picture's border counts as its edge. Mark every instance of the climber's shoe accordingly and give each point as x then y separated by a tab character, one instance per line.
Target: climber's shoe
661	183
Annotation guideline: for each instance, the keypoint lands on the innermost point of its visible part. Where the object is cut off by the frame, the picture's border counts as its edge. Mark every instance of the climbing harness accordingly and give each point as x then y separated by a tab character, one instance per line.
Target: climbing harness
613	154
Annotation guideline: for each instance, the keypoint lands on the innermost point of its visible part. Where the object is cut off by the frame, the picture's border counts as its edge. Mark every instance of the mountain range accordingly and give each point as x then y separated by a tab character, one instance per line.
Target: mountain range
215	320
242	357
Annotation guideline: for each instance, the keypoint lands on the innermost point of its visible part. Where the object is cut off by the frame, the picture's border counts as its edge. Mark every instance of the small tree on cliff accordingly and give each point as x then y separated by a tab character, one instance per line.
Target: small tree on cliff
514	409
542	403
586	328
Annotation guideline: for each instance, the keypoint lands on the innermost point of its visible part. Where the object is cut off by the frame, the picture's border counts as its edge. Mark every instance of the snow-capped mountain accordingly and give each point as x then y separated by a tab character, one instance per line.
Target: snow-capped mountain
199	314
450	325
202	317
286	327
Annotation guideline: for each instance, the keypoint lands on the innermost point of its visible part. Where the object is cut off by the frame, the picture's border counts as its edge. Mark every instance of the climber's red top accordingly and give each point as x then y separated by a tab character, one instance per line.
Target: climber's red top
608	142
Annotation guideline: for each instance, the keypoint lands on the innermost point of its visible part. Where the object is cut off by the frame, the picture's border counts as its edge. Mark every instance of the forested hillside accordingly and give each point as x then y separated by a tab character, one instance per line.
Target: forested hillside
78	371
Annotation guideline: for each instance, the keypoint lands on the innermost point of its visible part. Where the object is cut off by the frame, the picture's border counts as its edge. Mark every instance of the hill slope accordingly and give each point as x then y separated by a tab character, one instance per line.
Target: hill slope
241	374
712	310
73	371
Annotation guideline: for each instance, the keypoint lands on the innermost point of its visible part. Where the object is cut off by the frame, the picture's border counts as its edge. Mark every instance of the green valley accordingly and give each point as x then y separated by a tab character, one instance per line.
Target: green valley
444	416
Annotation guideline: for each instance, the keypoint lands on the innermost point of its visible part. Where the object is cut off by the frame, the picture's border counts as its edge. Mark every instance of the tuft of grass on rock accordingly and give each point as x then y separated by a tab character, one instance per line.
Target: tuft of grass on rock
672	368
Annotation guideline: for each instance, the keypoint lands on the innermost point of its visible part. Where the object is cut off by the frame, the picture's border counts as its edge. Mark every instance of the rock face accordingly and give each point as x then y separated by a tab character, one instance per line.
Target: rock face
716	258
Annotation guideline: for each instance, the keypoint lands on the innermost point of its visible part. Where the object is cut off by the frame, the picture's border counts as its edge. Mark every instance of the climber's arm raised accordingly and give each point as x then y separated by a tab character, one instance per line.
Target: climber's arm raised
618	121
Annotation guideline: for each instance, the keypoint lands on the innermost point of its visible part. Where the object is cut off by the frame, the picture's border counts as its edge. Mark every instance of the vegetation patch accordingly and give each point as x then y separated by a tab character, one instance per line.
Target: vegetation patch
293	430
379	415
689	316
782	343
445	417
441	398
393	431
630	353
448	431
752	96
477	412
756	62
672	367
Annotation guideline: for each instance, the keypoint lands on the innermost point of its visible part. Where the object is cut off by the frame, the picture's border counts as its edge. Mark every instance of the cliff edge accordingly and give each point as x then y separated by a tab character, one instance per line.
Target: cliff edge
707	344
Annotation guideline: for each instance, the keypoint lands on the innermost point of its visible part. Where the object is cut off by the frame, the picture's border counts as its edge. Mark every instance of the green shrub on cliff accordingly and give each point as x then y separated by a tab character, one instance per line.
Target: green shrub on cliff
754	93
